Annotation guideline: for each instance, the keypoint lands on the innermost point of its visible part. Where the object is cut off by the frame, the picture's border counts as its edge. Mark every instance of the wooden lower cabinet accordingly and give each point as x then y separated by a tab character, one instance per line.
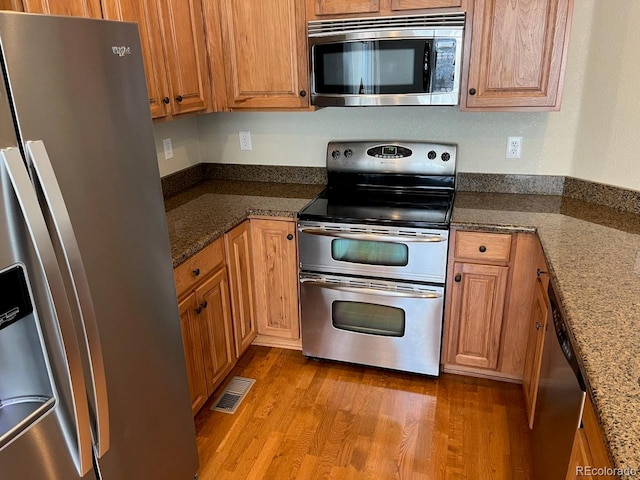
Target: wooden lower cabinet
490	290
589	454
533	357
275	257
194	357
477	304
240	268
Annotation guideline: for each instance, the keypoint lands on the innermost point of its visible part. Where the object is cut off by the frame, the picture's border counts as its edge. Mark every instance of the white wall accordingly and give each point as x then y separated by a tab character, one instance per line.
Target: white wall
608	141
184	137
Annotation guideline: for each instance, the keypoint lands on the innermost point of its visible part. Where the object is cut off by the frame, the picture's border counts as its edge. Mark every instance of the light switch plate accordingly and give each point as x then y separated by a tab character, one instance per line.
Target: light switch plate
168	148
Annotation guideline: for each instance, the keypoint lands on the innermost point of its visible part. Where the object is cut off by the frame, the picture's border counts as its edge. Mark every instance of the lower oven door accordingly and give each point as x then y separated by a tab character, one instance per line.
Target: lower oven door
379	323
386	252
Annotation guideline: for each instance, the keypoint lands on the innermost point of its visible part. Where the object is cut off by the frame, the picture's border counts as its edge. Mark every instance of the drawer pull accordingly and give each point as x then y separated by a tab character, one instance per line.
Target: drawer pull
204	304
482	248
198	310
458	278
290	237
196	272
539	326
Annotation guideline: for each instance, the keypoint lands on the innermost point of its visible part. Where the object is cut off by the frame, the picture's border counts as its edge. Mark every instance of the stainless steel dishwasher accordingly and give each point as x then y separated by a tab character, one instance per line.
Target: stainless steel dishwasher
561	396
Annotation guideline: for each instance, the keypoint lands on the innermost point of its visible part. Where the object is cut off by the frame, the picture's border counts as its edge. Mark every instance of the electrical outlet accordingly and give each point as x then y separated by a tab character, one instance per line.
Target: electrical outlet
245	140
514	147
168	148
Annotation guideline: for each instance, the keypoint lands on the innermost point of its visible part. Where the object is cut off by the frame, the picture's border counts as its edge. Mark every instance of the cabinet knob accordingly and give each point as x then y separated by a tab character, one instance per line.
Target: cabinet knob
472	91
541	272
458	278
482	248
179	98
166	100
303	93
538	326
290	237
204	304
198	310
196	272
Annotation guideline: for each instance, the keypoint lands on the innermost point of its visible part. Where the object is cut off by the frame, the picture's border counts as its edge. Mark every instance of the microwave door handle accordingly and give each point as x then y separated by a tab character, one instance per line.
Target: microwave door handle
426	72
368	290
46	177
39	234
374	237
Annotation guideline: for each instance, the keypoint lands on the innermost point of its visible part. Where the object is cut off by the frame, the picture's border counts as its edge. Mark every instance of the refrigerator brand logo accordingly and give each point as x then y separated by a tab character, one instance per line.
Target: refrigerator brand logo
121	51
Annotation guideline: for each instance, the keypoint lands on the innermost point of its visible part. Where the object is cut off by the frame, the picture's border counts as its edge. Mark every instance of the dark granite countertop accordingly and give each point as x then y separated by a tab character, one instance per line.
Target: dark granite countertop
594	259
202	213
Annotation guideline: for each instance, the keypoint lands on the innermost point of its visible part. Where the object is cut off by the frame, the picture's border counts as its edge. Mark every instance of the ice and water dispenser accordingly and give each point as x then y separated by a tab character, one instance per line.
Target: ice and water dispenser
26	391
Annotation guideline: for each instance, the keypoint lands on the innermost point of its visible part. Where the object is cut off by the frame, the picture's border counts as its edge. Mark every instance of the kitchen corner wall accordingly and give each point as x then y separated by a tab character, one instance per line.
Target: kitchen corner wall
569	142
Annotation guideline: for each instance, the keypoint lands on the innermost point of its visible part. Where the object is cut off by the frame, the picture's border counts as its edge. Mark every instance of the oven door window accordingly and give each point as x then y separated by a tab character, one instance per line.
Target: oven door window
368	318
370	252
372	67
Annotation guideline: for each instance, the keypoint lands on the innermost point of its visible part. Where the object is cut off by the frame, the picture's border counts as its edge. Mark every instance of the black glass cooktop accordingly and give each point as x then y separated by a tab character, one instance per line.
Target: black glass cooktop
417	209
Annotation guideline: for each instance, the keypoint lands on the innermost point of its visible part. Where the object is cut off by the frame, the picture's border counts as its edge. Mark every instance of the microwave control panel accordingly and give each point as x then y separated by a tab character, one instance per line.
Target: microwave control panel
444	52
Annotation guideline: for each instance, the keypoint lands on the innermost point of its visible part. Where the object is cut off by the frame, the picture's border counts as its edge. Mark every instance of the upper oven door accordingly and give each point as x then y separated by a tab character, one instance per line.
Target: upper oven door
374	251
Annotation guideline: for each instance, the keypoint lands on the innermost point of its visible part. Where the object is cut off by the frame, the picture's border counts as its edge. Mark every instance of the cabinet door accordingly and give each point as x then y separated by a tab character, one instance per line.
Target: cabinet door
337	7
145	14
183	34
74	8
276	277
215	328
264	48
518	52
191	341
417	4
533	356
238	251
477	305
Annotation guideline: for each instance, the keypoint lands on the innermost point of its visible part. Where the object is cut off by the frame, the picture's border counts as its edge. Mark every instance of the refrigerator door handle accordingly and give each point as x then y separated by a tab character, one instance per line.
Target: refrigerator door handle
46	177
37	228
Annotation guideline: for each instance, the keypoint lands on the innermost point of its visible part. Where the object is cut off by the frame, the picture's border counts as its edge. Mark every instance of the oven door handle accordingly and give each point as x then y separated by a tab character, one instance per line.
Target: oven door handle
367	290
375	237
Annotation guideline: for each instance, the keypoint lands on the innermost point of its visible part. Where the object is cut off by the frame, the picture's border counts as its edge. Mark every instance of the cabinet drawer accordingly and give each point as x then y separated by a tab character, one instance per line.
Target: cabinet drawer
482	246
199	266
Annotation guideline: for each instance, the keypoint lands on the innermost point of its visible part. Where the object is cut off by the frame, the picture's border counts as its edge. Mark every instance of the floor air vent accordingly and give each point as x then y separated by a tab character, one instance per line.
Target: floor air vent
230	399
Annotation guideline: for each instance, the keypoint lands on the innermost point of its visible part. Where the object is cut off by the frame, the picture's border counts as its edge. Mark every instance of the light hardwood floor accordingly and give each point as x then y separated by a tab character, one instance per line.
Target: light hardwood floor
306	419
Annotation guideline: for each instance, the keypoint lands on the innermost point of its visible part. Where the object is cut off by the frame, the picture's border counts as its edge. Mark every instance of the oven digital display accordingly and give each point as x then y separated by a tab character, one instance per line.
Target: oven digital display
389	150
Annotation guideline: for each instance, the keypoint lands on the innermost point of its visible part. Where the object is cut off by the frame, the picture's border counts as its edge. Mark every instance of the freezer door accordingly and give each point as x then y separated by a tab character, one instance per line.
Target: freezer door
44	418
83	117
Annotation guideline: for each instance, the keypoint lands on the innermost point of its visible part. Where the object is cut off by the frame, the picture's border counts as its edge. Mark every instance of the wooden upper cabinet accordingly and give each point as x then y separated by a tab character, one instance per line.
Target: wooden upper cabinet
145	14
337	7
517	54
175	61
397	5
74	8
183	33
264	48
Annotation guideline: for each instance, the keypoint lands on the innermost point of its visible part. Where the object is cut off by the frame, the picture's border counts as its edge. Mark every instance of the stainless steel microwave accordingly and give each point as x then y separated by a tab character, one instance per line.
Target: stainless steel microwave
410	60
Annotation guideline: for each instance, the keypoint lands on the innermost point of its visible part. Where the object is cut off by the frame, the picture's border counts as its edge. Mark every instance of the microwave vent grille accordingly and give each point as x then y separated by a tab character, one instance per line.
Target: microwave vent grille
433	21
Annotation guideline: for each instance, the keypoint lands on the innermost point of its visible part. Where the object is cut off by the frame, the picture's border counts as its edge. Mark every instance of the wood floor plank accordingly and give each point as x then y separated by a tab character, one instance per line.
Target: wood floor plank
306	419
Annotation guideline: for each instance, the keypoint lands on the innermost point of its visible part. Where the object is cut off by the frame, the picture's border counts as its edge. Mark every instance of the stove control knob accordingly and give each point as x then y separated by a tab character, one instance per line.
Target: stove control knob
335	154
445	157
431	155
348	153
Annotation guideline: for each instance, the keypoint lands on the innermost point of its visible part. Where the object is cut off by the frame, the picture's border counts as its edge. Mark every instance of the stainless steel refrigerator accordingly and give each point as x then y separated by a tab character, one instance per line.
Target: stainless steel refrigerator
92	374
